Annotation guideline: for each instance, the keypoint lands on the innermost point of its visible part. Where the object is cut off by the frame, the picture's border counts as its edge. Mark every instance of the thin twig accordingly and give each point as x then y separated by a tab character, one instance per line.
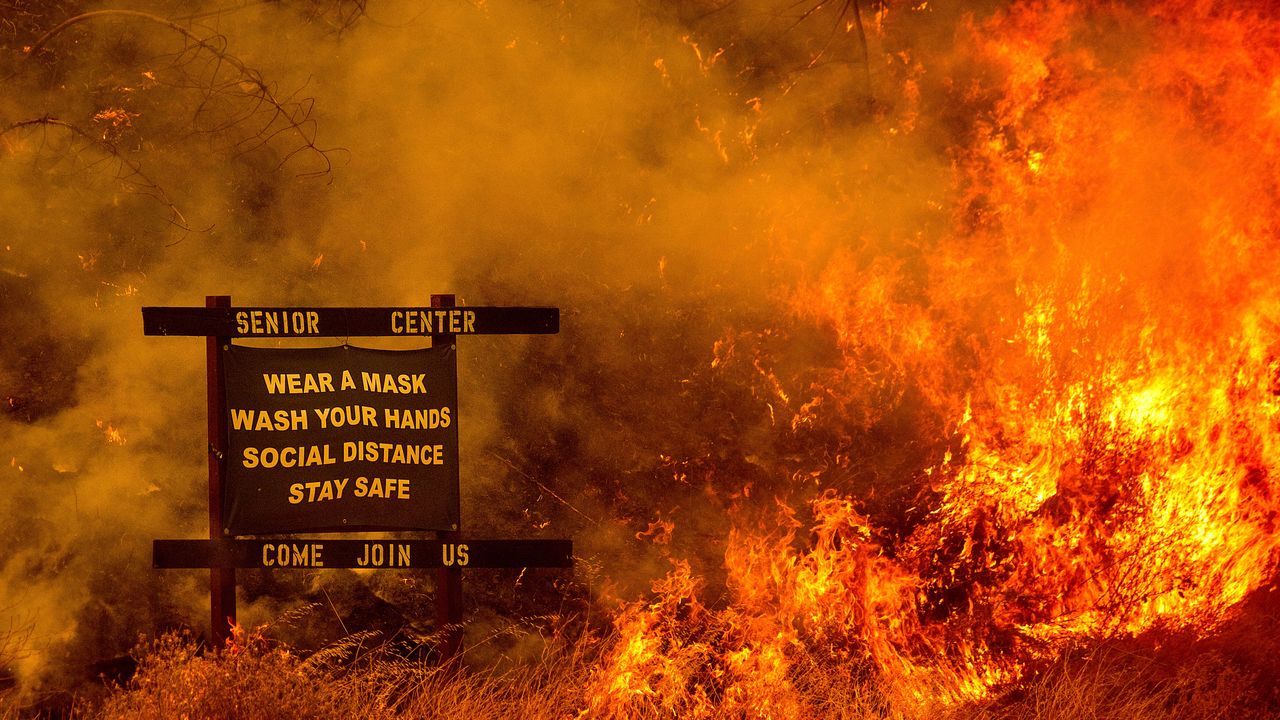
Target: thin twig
325	590
862	39
296	122
542	487
153	189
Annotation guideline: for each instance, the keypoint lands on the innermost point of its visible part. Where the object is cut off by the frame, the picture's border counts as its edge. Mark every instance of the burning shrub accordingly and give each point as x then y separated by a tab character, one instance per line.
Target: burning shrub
247	680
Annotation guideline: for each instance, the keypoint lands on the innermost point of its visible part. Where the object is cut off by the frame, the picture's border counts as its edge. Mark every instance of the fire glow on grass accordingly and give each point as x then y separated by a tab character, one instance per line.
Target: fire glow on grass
1099	319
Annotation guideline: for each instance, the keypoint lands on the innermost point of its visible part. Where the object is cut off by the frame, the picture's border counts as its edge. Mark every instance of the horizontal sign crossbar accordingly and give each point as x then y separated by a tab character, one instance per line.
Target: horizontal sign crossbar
363	554
349	322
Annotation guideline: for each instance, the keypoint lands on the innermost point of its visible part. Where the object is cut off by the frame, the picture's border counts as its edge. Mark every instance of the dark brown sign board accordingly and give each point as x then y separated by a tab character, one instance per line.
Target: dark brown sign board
255	494
367	554
349	322
340	439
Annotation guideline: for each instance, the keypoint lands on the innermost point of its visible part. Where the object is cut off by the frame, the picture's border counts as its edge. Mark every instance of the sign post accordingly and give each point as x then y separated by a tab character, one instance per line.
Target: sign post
340	439
222	580
448	578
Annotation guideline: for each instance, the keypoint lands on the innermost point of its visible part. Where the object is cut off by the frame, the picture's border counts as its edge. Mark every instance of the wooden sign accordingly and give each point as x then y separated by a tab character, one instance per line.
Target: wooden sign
339	439
349	322
361	554
342	438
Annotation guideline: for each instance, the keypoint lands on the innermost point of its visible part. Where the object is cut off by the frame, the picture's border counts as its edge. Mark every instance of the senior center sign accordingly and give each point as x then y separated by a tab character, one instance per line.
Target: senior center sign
340	438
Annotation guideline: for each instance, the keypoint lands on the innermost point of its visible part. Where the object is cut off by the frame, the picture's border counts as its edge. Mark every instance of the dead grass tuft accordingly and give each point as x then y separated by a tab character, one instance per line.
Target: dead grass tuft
255	679
359	678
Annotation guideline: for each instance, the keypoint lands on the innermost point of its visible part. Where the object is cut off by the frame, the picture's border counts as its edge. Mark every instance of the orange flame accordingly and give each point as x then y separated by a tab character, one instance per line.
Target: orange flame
111	433
1099	323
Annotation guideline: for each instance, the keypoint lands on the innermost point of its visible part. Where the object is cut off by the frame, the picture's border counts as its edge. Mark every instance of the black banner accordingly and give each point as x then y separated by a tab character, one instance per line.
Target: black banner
342	438
367	554
349	322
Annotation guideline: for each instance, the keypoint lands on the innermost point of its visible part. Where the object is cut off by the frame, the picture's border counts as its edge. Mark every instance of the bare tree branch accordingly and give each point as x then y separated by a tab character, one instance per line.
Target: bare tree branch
135	177
244	81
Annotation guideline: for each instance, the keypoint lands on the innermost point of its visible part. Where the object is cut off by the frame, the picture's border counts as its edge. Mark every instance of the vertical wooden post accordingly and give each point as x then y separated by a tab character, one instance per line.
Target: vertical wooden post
222	580
448	579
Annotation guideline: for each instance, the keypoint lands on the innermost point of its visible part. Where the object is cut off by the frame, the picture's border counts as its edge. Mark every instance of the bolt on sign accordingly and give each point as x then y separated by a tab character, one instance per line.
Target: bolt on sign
341	438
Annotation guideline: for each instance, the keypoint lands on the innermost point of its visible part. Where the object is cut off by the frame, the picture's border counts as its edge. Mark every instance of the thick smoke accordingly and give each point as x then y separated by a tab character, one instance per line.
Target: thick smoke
763	222
614	162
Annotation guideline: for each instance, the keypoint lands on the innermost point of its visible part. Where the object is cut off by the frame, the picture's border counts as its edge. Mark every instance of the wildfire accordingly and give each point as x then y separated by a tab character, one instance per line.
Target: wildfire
111	433
1099	327
114	122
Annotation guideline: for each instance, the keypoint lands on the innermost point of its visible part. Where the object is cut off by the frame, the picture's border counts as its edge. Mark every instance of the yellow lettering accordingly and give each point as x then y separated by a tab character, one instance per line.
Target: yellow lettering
451	554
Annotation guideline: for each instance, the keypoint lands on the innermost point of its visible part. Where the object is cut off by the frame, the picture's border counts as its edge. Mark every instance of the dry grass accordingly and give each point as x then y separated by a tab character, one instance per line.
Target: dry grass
254	679
1110	683
173	681
257	680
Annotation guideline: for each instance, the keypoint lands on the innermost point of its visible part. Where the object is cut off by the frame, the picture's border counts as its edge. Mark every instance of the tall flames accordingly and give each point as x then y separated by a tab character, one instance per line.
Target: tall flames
1095	320
987	294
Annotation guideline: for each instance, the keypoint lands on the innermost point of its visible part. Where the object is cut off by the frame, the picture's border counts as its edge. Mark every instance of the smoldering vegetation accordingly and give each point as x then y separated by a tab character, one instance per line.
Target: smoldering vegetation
788	258
327	153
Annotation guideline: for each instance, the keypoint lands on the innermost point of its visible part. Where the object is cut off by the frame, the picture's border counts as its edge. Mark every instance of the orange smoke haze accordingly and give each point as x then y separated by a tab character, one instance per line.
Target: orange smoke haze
922	340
